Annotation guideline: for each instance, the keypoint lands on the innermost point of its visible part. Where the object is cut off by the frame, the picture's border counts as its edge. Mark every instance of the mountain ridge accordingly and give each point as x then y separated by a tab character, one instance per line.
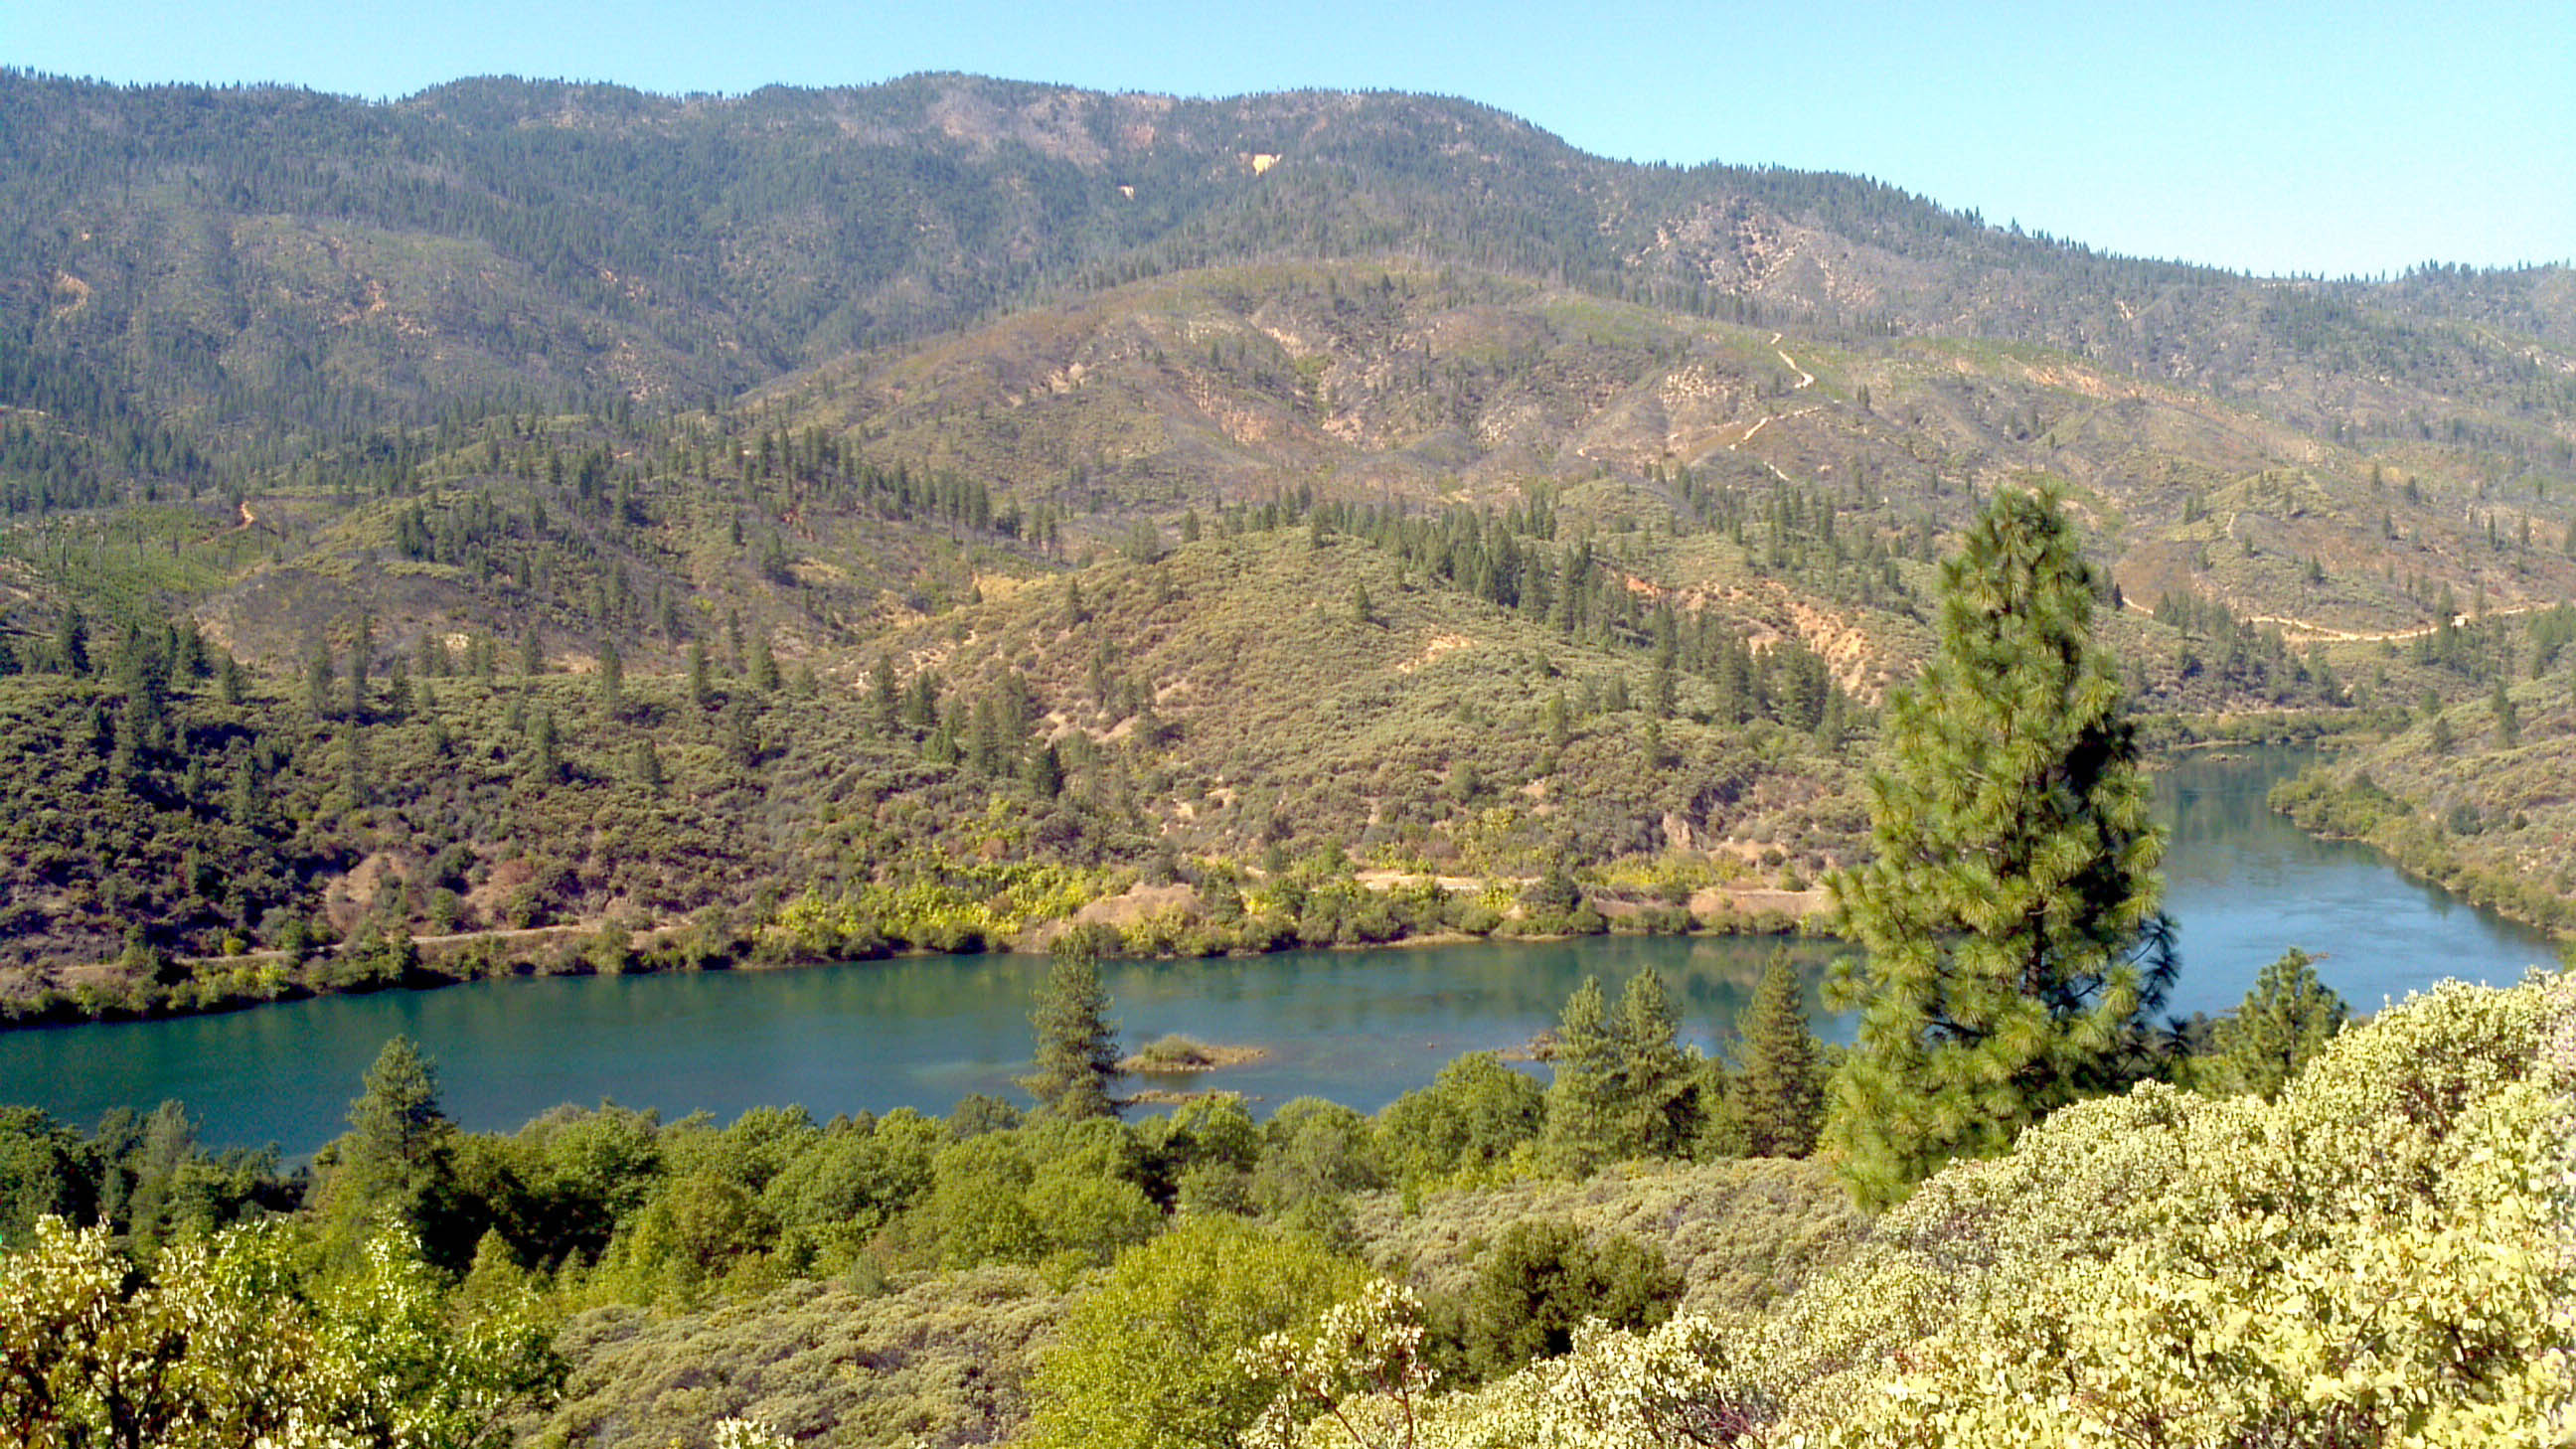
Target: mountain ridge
755	434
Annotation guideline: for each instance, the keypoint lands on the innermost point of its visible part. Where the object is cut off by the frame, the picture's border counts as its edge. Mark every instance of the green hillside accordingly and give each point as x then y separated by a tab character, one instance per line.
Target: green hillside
1172	494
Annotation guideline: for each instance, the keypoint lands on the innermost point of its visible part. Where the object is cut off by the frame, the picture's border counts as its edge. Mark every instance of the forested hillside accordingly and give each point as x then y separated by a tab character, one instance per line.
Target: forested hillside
535	527
691	526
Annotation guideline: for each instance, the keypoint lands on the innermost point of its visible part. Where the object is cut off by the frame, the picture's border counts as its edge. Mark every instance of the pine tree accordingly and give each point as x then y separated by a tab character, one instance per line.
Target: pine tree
319	674
884	699
398	1159
359	656
71	640
646	767
545	749
1781	1094
1658	1085
1583	1101
2009	912
2287	1018
1077	1042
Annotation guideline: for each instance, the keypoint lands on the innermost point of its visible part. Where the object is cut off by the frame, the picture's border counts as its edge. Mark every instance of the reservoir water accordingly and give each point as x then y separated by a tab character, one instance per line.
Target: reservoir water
1358	1027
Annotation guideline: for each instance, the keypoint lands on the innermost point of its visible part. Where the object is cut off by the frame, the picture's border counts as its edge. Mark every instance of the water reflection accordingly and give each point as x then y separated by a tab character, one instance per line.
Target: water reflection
1356	1027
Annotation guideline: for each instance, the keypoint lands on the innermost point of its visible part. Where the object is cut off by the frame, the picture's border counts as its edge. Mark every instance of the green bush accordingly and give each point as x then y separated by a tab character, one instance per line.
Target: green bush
1147	1360
1535	1286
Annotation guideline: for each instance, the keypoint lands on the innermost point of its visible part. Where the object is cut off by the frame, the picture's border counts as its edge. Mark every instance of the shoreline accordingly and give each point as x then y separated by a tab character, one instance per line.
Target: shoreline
223	985
199	986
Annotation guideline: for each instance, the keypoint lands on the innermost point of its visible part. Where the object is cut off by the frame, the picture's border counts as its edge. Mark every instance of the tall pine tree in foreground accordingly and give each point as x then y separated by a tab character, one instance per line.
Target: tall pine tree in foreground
2008	914
1077	1043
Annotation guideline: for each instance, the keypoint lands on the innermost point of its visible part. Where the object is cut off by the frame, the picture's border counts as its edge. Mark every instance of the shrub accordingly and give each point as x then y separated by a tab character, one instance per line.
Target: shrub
1148	1359
1535	1286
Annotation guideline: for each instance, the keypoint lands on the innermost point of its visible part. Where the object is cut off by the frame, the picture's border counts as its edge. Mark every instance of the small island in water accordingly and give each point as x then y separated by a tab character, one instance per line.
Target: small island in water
1175	1054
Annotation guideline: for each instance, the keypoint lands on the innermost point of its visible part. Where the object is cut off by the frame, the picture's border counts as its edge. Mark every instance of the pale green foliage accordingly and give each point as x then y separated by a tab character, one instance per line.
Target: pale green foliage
1147	1359
1314	1154
1358	1377
979	1202
947	1360
2008	912
1672	1386
749	1434
1011	1197
2378	1257
218	1346
701	1229
1744	1234
2287	1018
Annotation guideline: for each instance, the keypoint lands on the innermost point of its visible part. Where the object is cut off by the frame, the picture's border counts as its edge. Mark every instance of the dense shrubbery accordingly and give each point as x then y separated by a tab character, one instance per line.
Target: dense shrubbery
940	1361
2369	1251
2377	1257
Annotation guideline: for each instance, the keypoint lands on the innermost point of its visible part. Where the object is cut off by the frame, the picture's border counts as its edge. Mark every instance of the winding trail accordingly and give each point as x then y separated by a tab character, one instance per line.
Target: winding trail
1806	379
2308	631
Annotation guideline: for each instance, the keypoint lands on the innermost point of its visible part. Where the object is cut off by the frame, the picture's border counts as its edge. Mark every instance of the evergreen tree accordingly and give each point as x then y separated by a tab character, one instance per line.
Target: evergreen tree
545	749
1658	1086
318	677
647	767
1045	771
241	802
359	653
398	1160
1781	1093
2009	911
699	689
612	678
71	640
358	776
884	698
1583	1102
1077	1042
2287	1018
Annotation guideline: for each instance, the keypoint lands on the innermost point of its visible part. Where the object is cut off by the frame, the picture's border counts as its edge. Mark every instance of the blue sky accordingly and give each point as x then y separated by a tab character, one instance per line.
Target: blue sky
2273	138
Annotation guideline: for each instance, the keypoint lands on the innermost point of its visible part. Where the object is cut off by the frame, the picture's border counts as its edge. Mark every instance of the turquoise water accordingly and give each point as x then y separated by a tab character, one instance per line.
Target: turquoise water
1358	1027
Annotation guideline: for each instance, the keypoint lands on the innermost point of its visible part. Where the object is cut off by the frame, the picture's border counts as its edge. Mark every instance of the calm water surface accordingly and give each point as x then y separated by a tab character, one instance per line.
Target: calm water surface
1358	1027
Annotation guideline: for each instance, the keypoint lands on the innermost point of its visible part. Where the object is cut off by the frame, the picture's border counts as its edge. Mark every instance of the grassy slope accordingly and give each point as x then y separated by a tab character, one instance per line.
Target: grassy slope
2454	802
